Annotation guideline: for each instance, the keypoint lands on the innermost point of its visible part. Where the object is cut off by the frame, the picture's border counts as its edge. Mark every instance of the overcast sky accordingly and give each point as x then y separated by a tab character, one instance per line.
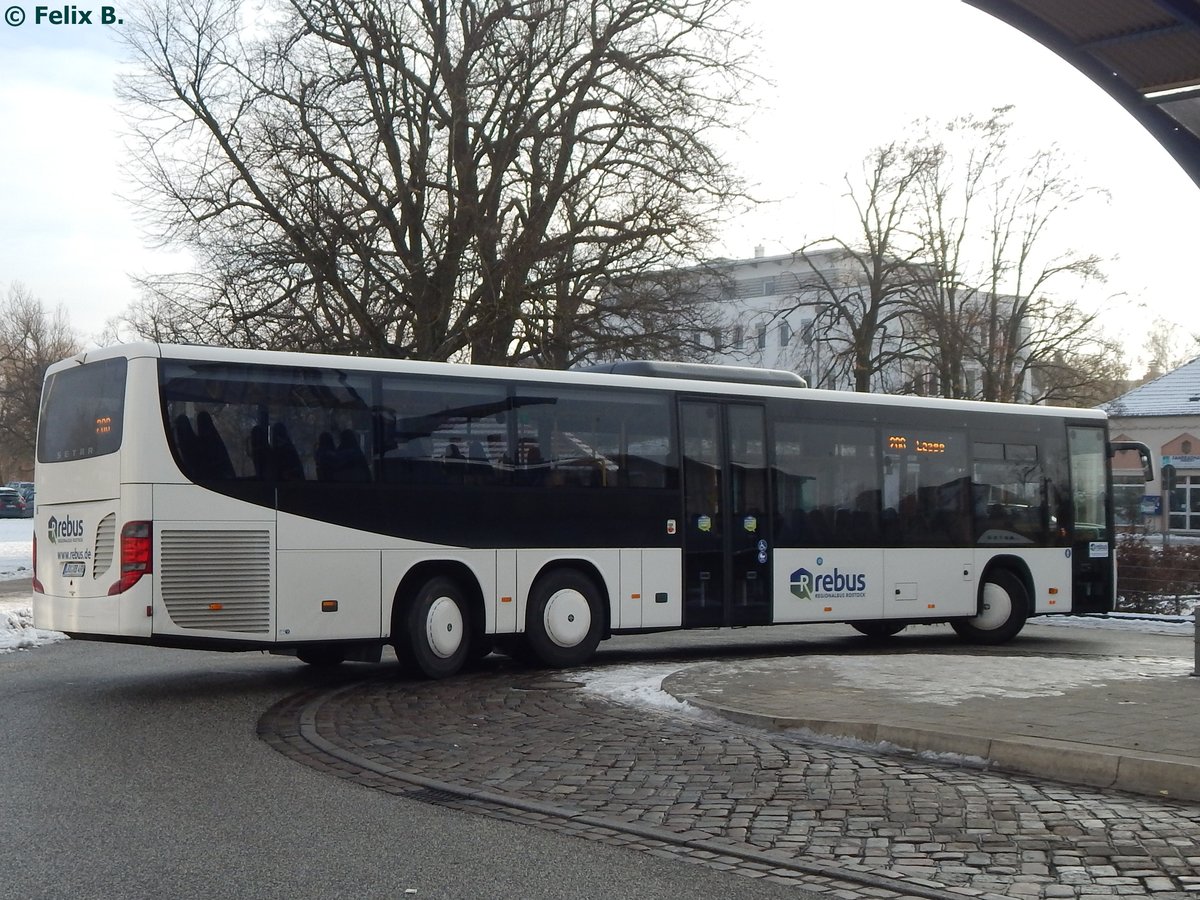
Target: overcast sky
846	76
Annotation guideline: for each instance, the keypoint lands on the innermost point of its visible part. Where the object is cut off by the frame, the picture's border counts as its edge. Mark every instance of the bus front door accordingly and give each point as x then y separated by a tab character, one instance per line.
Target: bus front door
727	516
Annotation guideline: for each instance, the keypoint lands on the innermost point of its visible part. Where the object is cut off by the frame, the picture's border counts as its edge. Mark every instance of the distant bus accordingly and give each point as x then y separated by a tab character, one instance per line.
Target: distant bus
328	506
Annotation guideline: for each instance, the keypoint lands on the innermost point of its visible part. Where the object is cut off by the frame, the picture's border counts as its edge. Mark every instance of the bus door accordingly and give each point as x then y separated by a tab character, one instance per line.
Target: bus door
726	514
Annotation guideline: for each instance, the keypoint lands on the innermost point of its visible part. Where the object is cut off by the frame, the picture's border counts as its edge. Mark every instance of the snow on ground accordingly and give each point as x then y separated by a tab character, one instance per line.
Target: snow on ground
16	562
16	548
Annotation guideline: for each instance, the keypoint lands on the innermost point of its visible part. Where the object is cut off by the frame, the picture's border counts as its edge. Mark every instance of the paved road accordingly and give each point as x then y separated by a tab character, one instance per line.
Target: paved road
130	772
133	771
537	748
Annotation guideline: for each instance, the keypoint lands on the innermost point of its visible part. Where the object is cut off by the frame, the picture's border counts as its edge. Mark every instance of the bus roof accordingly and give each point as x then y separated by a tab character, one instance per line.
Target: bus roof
660	380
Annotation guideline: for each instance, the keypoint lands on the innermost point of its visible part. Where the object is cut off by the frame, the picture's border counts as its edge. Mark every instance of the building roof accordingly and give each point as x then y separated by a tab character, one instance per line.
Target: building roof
1175	394
1145	53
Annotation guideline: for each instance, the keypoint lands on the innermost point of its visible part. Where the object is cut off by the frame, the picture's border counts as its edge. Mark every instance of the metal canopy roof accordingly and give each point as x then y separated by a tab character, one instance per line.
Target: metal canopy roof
1145	53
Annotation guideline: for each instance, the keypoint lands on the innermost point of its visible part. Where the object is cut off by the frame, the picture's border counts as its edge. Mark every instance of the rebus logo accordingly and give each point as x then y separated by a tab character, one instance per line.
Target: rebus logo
64	529
806	585
802	584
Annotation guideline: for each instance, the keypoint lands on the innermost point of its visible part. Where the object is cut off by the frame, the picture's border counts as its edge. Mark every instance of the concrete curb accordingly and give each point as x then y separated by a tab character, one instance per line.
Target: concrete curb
1157	775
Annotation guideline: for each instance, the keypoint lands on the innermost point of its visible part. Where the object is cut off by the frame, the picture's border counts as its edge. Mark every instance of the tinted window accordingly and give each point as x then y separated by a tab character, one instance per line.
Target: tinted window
268	424
1008	490
926	497
565	437
826	484
439	432
82	412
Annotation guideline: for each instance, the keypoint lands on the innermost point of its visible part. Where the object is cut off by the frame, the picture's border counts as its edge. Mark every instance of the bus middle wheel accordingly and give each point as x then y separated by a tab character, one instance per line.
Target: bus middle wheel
878	628
436	630
564	619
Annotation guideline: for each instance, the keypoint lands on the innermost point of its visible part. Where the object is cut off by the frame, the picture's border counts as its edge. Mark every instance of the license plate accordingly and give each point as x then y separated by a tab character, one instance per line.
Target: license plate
73	570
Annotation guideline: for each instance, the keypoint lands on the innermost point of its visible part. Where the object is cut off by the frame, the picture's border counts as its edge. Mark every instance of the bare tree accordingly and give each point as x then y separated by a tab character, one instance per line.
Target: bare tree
860	290
989	307
1166	348
459	179
30	340
1092	373
946	286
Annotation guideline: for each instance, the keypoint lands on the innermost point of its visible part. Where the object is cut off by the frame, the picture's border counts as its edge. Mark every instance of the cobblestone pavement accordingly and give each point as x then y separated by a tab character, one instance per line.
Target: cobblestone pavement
534	748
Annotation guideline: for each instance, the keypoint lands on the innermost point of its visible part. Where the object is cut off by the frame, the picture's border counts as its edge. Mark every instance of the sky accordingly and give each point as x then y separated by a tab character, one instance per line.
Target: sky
843	77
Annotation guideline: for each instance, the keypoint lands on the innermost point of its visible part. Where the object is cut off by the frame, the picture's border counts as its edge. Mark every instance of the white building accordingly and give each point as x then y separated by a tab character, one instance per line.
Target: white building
1165	415
769	319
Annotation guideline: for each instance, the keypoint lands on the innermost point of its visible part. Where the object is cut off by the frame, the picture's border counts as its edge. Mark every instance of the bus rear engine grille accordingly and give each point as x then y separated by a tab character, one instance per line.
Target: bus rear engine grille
217	580
106	538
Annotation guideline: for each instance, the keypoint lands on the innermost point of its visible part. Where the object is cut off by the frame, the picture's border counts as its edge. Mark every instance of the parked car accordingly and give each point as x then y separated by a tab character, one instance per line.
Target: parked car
11	504
24	488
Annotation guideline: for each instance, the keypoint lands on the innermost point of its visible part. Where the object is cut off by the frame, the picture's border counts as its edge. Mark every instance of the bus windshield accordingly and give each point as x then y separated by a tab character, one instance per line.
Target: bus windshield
82	412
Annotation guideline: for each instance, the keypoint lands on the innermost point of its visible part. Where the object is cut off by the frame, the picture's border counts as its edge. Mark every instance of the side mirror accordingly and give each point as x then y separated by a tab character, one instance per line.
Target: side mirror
1142	451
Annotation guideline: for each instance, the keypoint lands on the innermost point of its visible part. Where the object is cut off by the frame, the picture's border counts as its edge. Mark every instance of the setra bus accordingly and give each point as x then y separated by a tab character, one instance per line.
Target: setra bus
328	506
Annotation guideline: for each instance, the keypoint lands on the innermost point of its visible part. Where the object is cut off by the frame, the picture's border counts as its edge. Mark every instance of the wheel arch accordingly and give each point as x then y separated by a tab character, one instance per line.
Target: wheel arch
588	569
422	572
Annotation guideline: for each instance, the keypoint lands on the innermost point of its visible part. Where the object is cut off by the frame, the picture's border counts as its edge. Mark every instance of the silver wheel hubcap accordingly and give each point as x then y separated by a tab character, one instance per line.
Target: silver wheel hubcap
567	618
444	627
997	608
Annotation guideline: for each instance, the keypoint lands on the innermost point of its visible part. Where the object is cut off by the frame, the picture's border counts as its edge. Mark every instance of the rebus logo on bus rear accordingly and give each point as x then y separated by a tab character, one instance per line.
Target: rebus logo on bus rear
64	530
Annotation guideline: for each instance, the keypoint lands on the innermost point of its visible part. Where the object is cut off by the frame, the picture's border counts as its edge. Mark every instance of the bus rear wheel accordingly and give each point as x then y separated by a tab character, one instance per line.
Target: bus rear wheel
564	619
436	634
1003	608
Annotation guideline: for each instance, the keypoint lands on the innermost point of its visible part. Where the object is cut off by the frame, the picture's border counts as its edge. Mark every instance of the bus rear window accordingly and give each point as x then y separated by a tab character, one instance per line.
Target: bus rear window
82	411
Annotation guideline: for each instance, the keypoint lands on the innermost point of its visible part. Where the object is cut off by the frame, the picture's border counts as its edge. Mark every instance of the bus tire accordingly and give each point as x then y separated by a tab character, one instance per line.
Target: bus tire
564	619
437	632
878	628
1003	608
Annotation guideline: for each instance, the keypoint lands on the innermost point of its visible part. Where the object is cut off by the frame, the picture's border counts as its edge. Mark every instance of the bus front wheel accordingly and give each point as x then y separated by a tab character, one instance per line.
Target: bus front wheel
436	631
1003	608
564	619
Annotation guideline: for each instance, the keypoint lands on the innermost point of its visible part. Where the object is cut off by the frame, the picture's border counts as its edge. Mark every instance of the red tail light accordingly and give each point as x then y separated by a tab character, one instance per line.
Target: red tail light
38	587
137	557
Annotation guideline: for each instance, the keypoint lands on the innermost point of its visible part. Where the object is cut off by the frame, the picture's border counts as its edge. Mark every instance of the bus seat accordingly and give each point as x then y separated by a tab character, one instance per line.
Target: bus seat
188	444
260	453
288	466
213	455
352	465
325	456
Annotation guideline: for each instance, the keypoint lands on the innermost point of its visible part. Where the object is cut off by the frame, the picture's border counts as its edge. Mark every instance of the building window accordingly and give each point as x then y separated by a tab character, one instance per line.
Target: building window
768	287
739	336
762	337
785	333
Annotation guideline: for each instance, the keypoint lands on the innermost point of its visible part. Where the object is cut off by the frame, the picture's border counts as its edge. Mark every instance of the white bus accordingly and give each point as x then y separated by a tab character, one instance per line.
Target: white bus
328	506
